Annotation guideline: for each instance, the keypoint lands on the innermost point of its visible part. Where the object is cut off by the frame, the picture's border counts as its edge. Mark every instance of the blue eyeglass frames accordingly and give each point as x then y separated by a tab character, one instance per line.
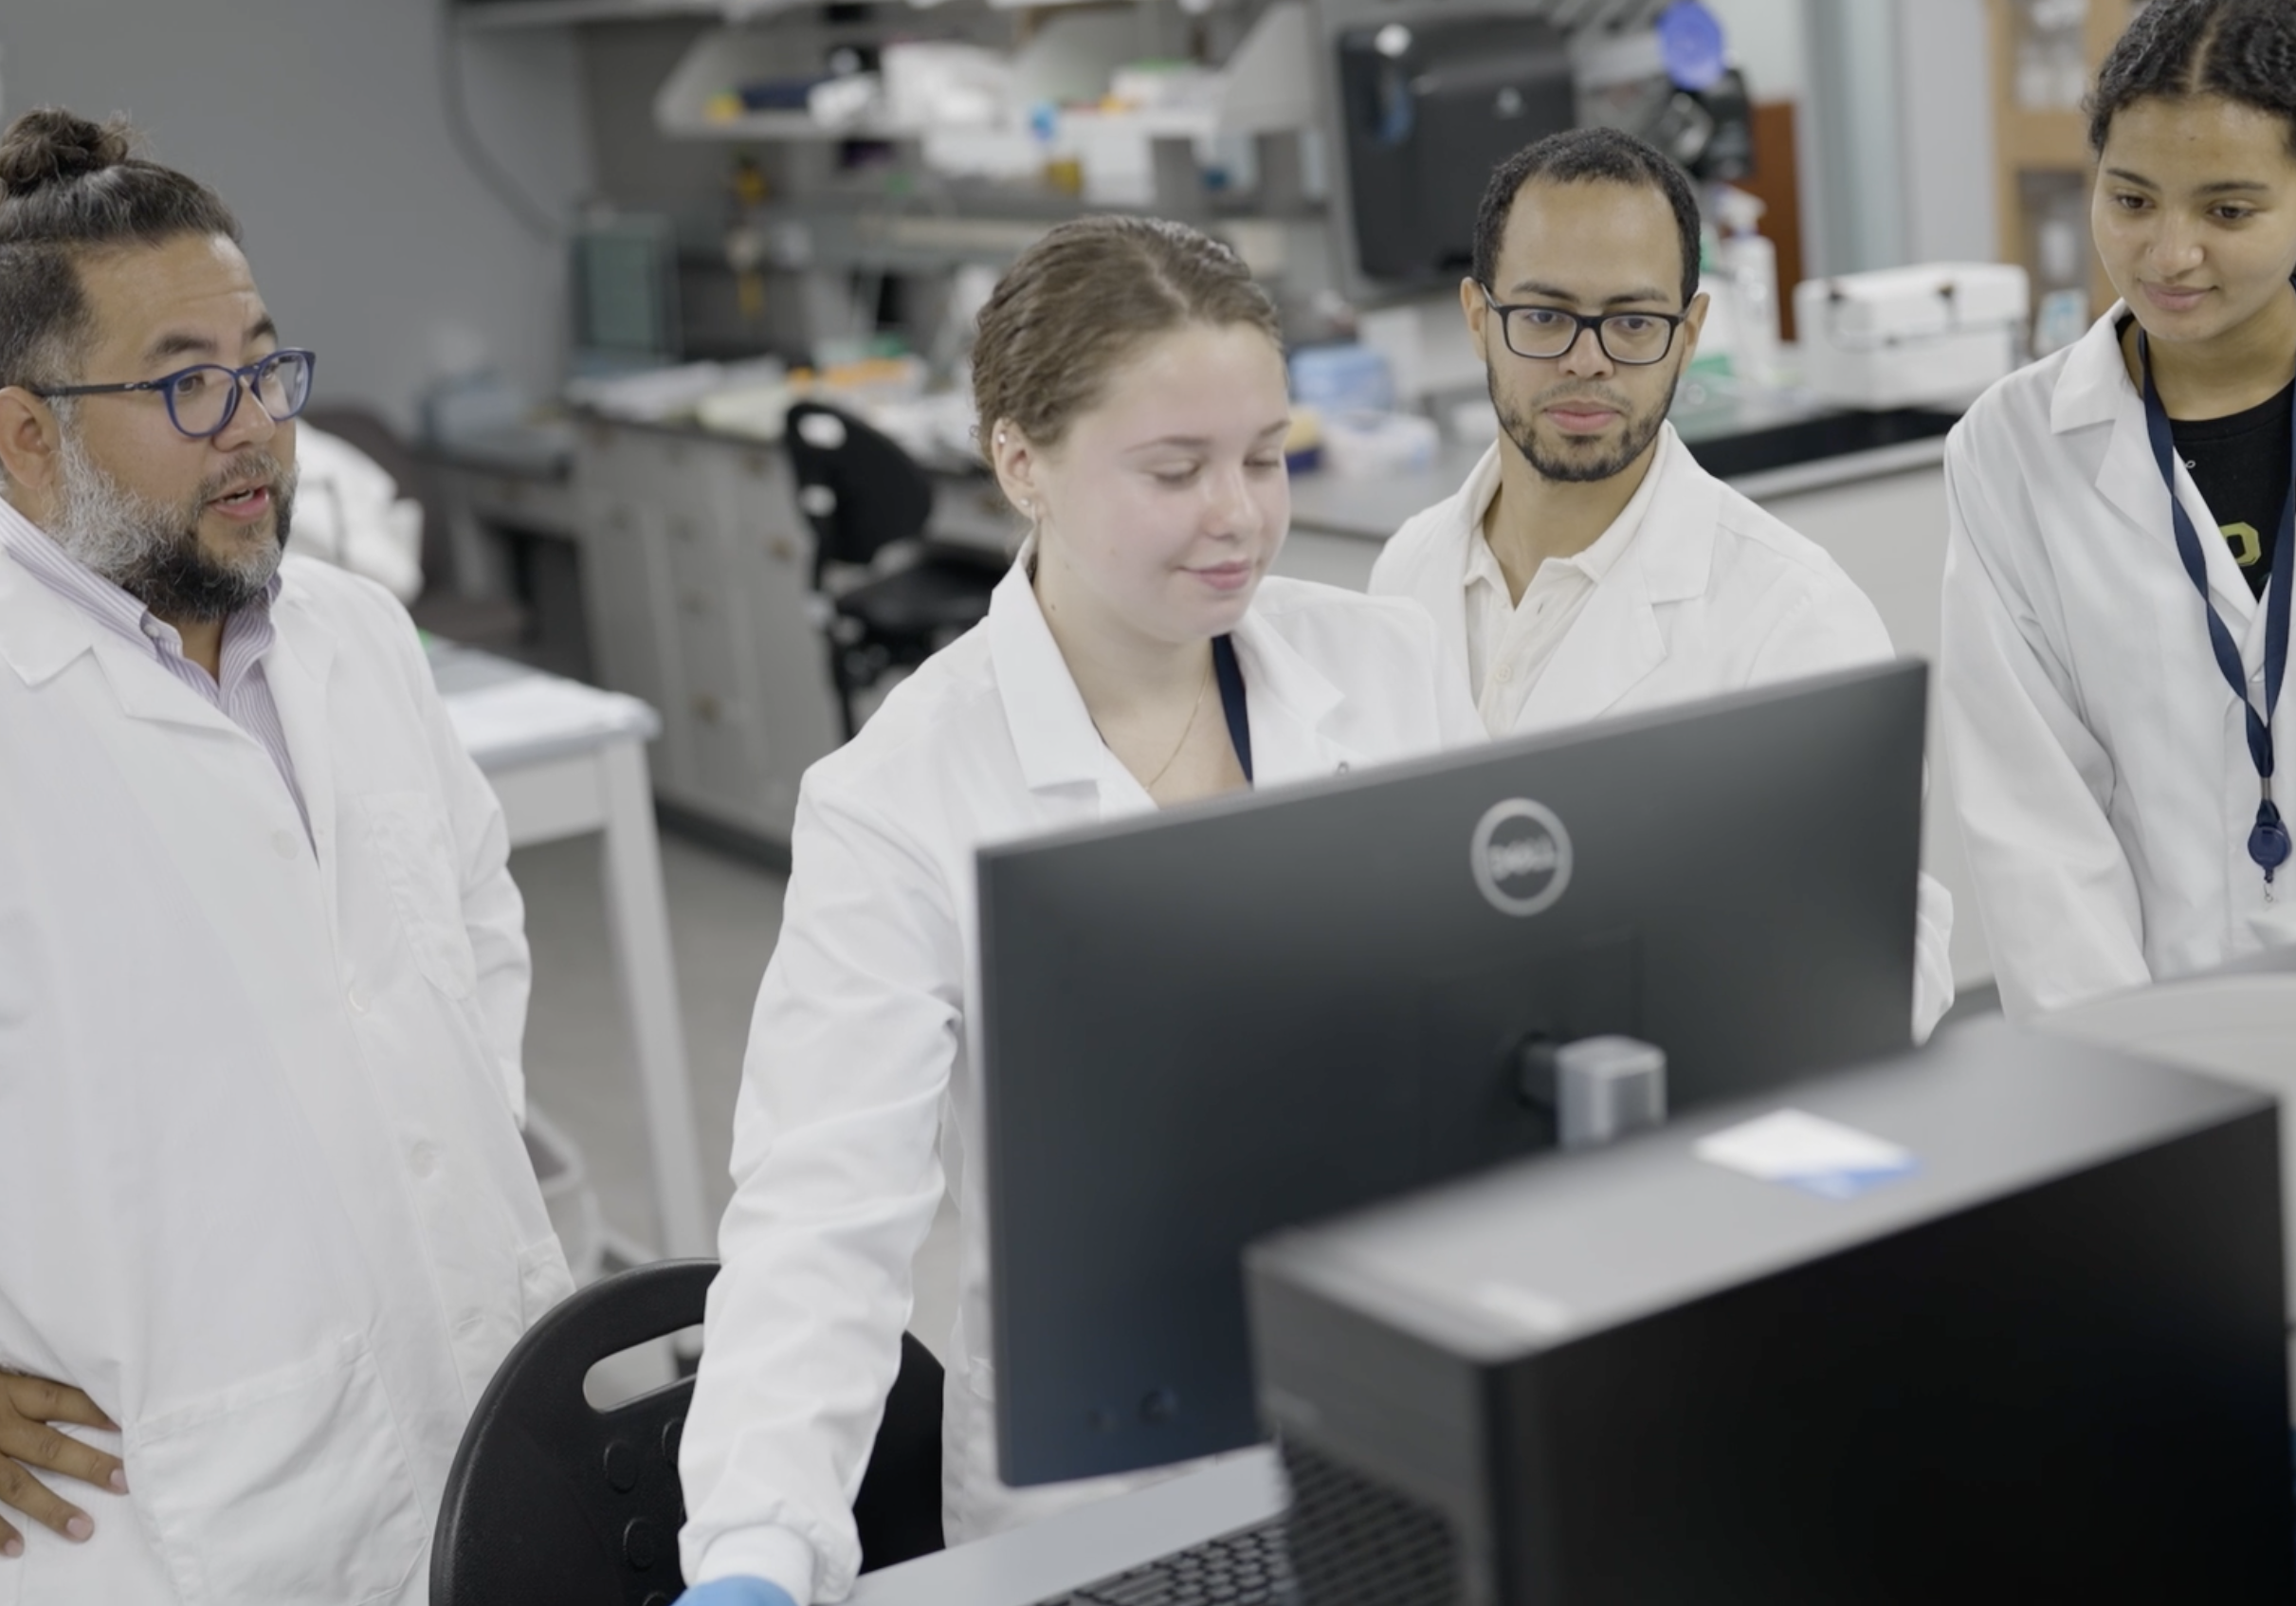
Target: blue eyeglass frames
203	400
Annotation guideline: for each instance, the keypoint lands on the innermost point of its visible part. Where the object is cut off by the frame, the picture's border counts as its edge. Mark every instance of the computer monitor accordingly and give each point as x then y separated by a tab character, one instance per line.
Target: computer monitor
1201	1026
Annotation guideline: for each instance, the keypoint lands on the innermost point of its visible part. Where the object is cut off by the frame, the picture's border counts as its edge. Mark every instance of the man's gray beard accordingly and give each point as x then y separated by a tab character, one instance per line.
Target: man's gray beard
1641	431
151	550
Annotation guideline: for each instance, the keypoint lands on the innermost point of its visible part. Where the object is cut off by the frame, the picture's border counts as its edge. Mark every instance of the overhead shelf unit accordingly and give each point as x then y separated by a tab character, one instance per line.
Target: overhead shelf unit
1265	87
487	14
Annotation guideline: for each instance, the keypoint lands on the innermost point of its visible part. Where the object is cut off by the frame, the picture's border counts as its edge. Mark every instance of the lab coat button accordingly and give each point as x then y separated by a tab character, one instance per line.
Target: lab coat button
1506	673
283	844
423	1160
356	1000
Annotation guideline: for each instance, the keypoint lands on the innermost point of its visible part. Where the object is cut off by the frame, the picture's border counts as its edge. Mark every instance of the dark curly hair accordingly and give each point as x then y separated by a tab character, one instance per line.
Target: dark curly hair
69	188
2243	50
1587	155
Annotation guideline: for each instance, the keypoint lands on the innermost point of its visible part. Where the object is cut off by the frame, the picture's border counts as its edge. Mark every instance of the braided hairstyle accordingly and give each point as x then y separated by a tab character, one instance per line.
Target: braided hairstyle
2241	50
70	187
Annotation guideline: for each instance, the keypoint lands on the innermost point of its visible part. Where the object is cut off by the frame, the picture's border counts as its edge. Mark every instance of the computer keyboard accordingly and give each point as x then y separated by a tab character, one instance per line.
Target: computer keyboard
1250	1567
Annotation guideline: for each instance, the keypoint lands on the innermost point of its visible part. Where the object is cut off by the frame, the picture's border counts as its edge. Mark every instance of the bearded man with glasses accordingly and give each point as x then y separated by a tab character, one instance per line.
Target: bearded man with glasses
263	970
1589	566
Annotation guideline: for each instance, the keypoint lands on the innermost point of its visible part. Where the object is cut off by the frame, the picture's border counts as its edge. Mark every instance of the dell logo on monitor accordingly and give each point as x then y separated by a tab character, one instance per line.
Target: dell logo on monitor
1520	856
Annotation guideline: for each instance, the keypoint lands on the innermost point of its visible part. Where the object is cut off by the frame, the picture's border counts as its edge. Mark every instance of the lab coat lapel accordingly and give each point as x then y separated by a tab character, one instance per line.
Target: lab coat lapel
1288	699
41	634
1436	583
298	668
1616	640
1052	732
2095	388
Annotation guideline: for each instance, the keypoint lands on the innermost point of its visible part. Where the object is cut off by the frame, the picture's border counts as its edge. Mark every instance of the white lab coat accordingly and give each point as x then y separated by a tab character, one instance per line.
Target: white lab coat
1713	595
2099	761
266	1194
858	1102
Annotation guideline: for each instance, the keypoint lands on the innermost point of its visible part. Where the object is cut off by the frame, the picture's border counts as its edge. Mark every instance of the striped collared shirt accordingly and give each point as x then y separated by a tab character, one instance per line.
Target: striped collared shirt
242	694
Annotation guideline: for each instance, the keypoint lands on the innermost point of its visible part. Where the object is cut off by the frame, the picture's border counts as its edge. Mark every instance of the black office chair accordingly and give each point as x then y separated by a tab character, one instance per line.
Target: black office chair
551	1501
862	494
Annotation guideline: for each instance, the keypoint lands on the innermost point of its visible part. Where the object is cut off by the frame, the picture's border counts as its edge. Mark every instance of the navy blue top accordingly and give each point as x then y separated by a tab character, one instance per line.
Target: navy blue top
1231	675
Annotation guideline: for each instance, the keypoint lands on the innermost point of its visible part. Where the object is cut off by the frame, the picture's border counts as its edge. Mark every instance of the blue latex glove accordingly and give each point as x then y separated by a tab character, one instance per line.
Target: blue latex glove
735	1591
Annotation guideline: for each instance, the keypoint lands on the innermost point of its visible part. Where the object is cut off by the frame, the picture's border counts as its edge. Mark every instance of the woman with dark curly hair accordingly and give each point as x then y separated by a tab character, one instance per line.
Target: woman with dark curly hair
2118	571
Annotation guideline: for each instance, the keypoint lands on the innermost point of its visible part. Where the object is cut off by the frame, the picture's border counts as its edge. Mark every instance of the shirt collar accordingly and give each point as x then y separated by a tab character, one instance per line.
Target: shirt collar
1052	732
247	635
1600	558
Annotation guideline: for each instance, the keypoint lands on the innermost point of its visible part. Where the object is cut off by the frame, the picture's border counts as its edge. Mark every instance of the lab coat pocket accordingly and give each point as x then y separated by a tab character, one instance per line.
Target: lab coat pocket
290	1488
414	855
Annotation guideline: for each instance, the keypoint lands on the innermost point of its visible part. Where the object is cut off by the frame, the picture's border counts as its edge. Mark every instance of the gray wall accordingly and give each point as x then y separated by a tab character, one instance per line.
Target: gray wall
1901	101
1946	111
321	123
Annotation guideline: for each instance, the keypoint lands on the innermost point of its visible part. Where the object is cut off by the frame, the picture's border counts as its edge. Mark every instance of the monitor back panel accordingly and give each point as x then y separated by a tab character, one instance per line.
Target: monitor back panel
1198	1028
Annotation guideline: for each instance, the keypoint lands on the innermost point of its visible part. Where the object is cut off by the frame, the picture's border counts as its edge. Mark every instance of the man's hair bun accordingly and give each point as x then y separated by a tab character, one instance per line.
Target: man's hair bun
52	146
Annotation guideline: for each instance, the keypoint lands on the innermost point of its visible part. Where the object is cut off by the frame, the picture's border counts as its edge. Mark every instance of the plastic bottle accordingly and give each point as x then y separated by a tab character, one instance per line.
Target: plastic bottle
1748	265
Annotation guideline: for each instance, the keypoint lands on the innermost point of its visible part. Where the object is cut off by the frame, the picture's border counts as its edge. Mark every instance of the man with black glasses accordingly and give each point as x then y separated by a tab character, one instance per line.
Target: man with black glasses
1589	566
263	970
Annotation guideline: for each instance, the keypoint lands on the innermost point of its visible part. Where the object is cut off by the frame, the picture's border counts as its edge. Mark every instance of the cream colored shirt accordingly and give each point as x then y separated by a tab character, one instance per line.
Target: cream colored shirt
1509	644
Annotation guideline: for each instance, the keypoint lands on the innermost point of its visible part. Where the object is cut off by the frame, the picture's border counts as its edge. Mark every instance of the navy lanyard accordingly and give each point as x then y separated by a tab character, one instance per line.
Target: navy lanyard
2269	841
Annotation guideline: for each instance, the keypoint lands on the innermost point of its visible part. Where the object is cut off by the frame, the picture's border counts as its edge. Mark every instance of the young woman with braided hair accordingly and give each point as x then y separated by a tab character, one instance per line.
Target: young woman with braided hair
2119	565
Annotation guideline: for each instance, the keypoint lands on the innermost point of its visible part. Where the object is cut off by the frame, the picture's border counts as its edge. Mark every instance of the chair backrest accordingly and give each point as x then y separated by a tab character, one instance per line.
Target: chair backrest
552	1499
858	490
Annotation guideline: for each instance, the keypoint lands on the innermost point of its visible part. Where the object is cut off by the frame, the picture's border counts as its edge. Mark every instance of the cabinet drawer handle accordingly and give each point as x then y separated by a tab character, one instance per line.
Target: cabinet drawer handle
706	707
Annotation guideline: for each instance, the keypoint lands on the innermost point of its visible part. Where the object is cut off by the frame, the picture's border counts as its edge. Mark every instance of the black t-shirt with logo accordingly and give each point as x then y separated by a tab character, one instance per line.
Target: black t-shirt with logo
2241	465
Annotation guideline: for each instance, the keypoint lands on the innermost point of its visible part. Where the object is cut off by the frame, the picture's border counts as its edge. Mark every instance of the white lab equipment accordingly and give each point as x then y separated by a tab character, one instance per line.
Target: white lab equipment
1746	277
857	1102
348	512
1372	445
1910	336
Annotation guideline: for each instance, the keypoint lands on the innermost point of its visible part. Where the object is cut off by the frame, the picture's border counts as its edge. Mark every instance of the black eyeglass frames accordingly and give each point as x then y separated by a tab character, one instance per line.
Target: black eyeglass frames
1631	339
203	400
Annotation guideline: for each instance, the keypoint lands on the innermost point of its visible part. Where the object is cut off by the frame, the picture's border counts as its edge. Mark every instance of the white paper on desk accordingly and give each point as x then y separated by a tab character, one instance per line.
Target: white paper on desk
1808	1152
533	708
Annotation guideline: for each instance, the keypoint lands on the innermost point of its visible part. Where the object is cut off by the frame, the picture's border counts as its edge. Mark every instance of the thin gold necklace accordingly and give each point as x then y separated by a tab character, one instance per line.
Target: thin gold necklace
1194	710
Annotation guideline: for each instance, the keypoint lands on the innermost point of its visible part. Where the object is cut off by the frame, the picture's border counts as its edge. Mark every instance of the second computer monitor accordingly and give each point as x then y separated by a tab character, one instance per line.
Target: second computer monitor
1200	1028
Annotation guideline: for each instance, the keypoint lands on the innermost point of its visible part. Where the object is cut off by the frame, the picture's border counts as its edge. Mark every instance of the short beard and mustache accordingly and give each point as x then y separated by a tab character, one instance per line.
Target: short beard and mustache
151	550
1640	431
